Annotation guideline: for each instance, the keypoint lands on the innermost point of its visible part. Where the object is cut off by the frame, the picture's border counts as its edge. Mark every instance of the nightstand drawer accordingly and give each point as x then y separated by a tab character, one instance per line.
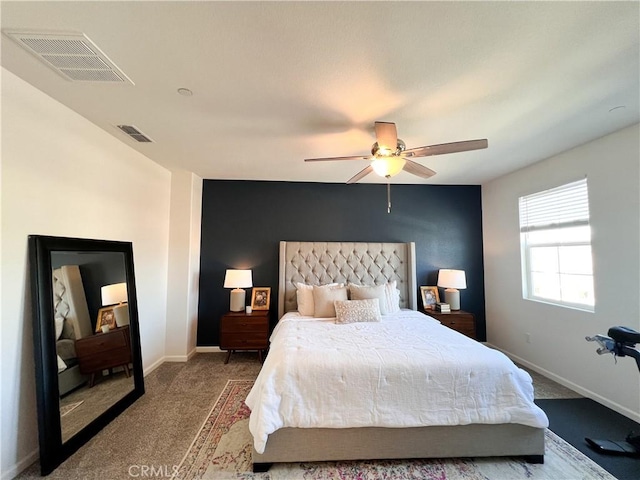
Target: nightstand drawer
239	341
104	350
244	324
463	322
464	325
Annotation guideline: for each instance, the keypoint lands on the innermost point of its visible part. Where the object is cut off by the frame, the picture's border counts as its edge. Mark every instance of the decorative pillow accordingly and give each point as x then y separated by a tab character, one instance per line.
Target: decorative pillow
364	293
304	298
392	297
59	323
351	311
323	298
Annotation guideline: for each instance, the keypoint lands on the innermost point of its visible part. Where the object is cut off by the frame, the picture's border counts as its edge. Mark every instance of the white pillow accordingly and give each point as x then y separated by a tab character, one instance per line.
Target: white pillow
364	293
304	298
392	297
323	298
351	311
388	295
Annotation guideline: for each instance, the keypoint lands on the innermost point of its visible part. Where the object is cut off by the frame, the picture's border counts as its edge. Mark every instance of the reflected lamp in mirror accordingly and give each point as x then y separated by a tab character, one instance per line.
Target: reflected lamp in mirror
237	280
116	294
452	281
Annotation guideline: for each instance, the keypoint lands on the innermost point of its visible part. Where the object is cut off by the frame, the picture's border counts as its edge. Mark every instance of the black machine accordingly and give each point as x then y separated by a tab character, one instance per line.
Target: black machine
621	341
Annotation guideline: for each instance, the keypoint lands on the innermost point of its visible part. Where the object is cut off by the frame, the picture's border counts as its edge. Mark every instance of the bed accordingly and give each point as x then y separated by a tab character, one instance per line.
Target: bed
71	317
293	422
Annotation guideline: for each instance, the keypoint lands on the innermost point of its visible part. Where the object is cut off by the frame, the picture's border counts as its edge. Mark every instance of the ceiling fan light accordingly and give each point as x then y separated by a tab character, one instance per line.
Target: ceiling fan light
388	166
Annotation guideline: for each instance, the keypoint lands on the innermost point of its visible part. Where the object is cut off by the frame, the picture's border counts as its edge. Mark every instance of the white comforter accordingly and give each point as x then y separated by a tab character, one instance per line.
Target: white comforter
406	371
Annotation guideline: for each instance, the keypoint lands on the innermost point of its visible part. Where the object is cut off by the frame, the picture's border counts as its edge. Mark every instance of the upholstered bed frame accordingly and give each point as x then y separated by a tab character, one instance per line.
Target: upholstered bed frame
316	263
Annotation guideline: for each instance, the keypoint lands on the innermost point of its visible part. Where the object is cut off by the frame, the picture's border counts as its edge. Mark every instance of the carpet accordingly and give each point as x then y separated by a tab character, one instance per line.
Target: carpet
67	409
222	450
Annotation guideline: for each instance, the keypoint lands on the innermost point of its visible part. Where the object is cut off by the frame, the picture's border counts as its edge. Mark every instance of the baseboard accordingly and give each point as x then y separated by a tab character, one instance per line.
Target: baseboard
208	350
569	384
153	366
19	467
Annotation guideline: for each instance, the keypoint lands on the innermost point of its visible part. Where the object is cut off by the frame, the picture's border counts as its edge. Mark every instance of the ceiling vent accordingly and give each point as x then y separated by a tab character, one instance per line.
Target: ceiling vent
73	56
134	133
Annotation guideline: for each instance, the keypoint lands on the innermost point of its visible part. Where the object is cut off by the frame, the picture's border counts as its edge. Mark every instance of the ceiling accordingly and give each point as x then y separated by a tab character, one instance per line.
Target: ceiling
276	82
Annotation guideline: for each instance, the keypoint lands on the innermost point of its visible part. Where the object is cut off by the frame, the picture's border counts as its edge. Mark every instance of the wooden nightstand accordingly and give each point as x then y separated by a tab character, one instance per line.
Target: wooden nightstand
459	320
104	351
244	331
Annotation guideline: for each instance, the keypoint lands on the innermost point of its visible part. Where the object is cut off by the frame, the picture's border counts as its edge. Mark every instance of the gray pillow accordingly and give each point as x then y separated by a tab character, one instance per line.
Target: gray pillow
364	293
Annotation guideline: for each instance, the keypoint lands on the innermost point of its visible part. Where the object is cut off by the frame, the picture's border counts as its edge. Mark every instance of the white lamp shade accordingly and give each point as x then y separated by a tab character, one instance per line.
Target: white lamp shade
114	293
452	279
238	279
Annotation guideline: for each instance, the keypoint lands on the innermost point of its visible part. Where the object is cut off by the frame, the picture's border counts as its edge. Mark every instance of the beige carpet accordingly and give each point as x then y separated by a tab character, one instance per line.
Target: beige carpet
222	449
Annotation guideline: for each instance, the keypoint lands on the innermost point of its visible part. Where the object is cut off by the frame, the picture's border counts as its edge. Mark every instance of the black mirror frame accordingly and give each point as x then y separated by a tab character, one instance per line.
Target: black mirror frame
52	451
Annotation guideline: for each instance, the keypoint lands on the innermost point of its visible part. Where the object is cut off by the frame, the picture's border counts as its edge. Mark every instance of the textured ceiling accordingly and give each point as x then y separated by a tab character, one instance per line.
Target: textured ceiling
276	82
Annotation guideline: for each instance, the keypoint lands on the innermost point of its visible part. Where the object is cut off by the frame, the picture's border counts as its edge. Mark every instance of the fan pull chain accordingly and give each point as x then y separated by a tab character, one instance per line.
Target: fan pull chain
388	195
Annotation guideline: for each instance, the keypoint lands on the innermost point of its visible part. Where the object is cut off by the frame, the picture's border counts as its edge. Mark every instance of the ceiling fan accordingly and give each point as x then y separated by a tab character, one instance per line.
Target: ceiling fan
389	155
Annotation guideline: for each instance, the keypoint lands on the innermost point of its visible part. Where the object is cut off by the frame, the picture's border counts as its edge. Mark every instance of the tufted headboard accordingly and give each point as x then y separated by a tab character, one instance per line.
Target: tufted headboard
363	263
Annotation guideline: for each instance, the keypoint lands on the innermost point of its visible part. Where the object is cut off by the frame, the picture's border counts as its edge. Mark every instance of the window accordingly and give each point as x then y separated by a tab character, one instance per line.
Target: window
555	239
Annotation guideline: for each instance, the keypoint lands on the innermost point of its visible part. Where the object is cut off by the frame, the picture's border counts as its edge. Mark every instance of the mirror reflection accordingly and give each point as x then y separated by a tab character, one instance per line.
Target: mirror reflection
93	342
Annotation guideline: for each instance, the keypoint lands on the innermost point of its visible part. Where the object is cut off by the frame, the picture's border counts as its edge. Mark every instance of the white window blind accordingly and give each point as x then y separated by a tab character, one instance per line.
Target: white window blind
556	246
564	206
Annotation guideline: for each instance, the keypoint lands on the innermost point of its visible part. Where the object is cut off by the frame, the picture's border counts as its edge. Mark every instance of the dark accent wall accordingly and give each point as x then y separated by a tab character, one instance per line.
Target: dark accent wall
244	221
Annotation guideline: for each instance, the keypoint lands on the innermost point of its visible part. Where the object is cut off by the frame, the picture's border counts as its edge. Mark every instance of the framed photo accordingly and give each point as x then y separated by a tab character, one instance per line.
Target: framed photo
430	297
260	298
106	316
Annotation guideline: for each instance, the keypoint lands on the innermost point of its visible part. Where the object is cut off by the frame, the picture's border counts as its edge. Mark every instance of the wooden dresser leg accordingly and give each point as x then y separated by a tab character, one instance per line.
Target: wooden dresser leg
226	360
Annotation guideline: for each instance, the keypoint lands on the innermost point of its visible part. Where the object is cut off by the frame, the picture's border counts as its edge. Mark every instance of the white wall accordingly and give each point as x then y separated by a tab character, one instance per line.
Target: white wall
558	347
62	175
184	266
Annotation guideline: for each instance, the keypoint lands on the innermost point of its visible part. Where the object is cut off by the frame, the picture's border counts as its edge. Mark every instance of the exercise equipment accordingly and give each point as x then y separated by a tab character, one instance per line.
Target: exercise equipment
621	342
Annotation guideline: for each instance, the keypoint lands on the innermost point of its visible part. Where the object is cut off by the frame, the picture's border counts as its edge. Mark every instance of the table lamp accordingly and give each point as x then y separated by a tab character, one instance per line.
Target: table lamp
113	294
237	279
451	281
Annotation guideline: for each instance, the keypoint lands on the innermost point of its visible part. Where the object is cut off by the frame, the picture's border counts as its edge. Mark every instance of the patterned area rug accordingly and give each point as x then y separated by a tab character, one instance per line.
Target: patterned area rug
222	450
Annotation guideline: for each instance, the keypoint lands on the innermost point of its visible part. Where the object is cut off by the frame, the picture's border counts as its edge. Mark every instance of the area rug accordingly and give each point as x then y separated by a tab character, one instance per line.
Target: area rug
67	409
222	450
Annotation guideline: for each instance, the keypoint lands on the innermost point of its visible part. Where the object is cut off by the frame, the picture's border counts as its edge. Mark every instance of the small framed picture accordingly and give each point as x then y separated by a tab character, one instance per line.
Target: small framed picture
260	298
106	316
430	297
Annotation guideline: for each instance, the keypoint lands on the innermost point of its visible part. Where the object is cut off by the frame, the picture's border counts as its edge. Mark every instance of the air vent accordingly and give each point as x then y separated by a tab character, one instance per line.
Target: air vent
134	133
73	56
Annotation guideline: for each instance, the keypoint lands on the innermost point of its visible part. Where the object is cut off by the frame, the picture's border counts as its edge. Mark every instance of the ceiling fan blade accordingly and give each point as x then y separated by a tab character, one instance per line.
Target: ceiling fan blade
330	159
417	169
444	148
387	135
360	175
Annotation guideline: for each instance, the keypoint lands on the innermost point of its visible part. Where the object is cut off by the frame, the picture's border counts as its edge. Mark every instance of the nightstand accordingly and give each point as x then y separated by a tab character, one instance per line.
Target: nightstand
104	351
459	320
244	331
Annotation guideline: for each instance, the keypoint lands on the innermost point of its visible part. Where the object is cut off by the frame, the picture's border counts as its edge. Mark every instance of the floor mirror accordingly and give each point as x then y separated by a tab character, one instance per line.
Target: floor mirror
86	339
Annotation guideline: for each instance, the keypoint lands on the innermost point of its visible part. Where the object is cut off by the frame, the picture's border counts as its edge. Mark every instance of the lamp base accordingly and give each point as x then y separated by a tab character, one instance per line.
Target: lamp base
122	314
452	297
238	297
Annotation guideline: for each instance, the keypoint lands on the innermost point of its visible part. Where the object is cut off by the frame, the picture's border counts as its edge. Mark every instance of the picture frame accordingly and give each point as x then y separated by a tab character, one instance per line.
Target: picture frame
260	298
106	316
430	297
